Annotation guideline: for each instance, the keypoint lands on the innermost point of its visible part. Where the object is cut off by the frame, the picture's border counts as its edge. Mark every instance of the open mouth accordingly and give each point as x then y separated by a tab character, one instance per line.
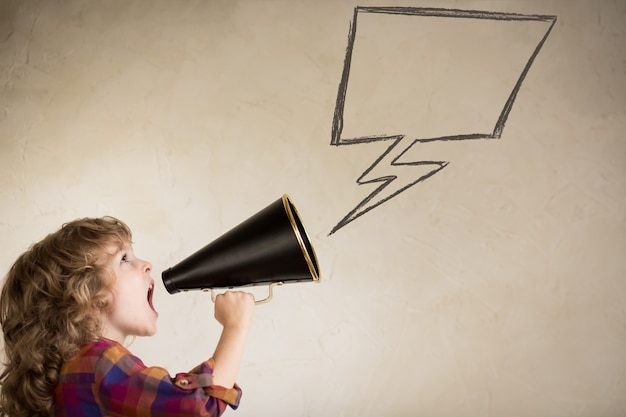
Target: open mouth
150	296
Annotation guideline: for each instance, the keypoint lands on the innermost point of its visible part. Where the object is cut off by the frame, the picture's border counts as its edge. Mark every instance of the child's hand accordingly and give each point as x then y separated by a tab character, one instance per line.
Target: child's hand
234	309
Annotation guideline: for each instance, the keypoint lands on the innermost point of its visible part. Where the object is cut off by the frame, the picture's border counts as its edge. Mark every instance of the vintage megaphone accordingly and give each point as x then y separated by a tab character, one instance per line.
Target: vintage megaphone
271	247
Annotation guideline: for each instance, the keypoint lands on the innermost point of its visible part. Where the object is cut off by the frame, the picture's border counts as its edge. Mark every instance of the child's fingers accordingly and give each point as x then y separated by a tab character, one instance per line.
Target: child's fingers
234	308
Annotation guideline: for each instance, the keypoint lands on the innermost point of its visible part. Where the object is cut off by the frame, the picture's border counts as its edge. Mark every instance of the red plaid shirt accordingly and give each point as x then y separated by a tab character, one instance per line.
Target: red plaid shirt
105	379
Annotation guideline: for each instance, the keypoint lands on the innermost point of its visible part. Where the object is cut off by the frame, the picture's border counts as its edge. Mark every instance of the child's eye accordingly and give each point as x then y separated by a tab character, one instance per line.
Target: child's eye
124	258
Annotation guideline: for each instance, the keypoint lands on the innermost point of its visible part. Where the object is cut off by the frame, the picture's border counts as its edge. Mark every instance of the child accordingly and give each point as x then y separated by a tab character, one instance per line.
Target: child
66	307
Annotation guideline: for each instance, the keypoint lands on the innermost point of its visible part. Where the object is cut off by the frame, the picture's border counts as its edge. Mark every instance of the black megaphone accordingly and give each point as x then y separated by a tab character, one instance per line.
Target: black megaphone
271	247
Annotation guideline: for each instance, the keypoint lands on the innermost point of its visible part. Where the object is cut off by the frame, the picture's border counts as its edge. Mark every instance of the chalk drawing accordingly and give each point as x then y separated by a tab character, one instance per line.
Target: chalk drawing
413	76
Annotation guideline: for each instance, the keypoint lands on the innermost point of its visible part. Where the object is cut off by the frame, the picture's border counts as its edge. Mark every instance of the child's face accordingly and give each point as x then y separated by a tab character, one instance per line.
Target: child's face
131	312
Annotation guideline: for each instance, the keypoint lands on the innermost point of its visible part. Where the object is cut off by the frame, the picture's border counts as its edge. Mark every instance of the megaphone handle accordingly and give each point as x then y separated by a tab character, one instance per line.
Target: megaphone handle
257	302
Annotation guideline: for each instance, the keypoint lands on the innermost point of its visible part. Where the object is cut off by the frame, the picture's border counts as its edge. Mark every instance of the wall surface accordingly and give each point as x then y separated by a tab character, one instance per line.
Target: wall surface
488	278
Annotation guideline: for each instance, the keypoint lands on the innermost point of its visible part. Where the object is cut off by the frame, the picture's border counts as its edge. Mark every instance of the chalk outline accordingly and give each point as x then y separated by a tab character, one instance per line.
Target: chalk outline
337	125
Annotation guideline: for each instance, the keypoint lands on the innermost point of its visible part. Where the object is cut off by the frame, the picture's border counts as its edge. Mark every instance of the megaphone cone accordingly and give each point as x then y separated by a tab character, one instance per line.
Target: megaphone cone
271	247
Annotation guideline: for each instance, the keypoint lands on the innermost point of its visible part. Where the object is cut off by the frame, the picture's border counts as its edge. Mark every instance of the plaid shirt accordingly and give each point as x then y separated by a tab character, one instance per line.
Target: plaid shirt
105	379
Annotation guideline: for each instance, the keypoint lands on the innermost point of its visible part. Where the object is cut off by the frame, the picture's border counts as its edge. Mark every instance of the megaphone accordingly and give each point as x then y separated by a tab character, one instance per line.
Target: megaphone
271	247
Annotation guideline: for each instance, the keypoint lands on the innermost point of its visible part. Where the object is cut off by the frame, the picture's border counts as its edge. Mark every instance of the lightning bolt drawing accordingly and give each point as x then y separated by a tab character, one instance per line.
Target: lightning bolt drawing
392	181
397	169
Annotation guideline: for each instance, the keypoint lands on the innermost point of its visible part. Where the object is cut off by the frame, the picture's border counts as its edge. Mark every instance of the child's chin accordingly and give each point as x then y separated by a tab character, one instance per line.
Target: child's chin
148	332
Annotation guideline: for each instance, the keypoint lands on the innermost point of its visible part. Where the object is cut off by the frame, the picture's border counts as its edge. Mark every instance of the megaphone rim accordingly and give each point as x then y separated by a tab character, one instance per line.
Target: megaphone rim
294	220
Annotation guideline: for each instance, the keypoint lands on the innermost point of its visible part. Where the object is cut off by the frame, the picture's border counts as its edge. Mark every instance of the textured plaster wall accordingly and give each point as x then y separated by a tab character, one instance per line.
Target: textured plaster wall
496	287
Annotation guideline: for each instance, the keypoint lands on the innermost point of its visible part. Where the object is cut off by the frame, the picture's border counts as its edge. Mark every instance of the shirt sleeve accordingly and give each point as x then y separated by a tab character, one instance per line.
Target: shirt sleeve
125	386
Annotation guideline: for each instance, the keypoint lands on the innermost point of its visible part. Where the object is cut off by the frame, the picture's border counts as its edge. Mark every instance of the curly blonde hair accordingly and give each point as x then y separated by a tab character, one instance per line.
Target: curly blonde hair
50	307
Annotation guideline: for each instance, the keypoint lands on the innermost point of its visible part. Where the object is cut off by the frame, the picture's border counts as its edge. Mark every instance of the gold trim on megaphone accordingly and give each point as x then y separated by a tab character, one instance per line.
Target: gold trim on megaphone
296	224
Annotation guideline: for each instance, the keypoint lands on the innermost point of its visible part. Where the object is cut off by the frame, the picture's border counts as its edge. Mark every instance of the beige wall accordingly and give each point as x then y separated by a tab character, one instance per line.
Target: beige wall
496	287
